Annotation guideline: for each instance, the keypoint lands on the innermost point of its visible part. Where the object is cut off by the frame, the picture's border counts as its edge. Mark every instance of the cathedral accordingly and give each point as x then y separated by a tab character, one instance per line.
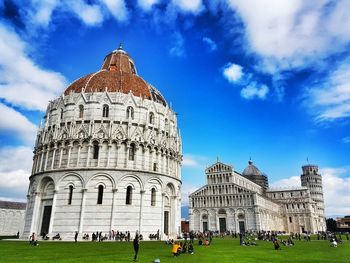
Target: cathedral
107	157
236	202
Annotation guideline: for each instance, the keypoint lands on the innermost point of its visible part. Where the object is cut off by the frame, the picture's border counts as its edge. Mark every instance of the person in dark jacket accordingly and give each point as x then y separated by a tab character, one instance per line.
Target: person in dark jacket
76	236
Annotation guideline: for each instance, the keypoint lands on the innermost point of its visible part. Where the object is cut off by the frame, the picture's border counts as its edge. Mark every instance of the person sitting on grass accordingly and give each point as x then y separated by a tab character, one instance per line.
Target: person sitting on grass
334	243
206	242
175	249
184	247
58	237
276	245
200	241
190	249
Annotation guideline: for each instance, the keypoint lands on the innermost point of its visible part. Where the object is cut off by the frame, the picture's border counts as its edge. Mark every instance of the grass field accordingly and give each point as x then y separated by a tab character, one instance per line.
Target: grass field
221	250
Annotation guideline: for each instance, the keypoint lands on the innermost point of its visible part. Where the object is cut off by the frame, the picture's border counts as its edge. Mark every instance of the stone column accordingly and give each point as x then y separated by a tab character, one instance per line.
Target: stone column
117	153
82	210
113	208
41	160
108	153
53	156
35	158
99	154
126	158
70	146
88	154
144	150
162	218
141	205
135	156
35	224
79	150
151	160
61	153
52	218
46	158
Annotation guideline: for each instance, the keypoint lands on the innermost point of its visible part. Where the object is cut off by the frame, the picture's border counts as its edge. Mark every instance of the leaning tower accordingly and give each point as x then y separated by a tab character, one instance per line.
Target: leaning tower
313	181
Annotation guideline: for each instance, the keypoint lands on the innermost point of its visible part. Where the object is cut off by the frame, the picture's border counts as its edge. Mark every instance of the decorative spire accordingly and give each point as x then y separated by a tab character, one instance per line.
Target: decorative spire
120	46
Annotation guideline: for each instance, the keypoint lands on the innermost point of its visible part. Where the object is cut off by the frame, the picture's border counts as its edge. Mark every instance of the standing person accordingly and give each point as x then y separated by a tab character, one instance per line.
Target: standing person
136	244
76	236
128	236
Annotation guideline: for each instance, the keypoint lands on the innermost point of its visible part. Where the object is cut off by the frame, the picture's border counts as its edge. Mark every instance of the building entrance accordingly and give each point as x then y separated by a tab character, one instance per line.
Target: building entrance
222	224
46	220
205	226
166	222
241	227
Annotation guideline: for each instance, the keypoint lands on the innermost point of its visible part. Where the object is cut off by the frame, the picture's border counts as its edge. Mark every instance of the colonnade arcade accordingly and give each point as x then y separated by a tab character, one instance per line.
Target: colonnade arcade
105	154
53	202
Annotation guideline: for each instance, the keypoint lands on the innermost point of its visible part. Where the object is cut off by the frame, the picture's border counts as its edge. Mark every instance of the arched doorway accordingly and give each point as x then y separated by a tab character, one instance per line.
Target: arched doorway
47	192
205	223
169	216
222	220
241	223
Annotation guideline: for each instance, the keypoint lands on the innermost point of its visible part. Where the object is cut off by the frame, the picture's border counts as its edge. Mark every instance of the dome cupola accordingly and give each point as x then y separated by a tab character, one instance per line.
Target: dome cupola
252	173
117	74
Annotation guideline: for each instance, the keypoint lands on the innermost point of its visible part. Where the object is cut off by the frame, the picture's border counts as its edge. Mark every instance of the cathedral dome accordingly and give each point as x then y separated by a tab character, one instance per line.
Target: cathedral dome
117	74
251	170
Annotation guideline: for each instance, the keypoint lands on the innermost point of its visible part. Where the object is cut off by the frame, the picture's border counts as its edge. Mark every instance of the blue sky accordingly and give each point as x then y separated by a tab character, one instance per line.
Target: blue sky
263	79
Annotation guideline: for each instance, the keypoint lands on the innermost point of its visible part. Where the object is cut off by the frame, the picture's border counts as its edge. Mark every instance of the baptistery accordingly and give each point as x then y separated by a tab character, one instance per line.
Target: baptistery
107	158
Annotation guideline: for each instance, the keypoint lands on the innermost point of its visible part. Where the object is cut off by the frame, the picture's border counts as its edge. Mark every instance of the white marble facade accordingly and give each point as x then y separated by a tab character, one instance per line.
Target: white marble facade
106	160
231	202
11	218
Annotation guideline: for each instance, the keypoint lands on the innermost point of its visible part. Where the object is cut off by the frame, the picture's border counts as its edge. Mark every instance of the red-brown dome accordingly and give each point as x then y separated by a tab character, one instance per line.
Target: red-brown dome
117	74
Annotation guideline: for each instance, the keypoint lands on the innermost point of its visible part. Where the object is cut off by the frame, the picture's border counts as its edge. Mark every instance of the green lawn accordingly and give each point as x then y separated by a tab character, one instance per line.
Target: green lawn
221	250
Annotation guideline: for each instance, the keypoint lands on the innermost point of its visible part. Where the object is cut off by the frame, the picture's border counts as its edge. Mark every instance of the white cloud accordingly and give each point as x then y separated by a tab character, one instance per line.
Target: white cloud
336	189
89	14
117	8
41	11
232	72
194	161
331	99
253	91
178	48
15	166
211	44
192	6
289	34
292	181
187	189
146	5
24	83
188	160
346	140
15	123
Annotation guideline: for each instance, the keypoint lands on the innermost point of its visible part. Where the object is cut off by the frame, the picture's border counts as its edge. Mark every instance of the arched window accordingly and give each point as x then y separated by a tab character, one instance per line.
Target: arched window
132	152
100	195
96	150
128	195
166	123
70	195
105	111
81	111
130	113
153	197
151	118
61	115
